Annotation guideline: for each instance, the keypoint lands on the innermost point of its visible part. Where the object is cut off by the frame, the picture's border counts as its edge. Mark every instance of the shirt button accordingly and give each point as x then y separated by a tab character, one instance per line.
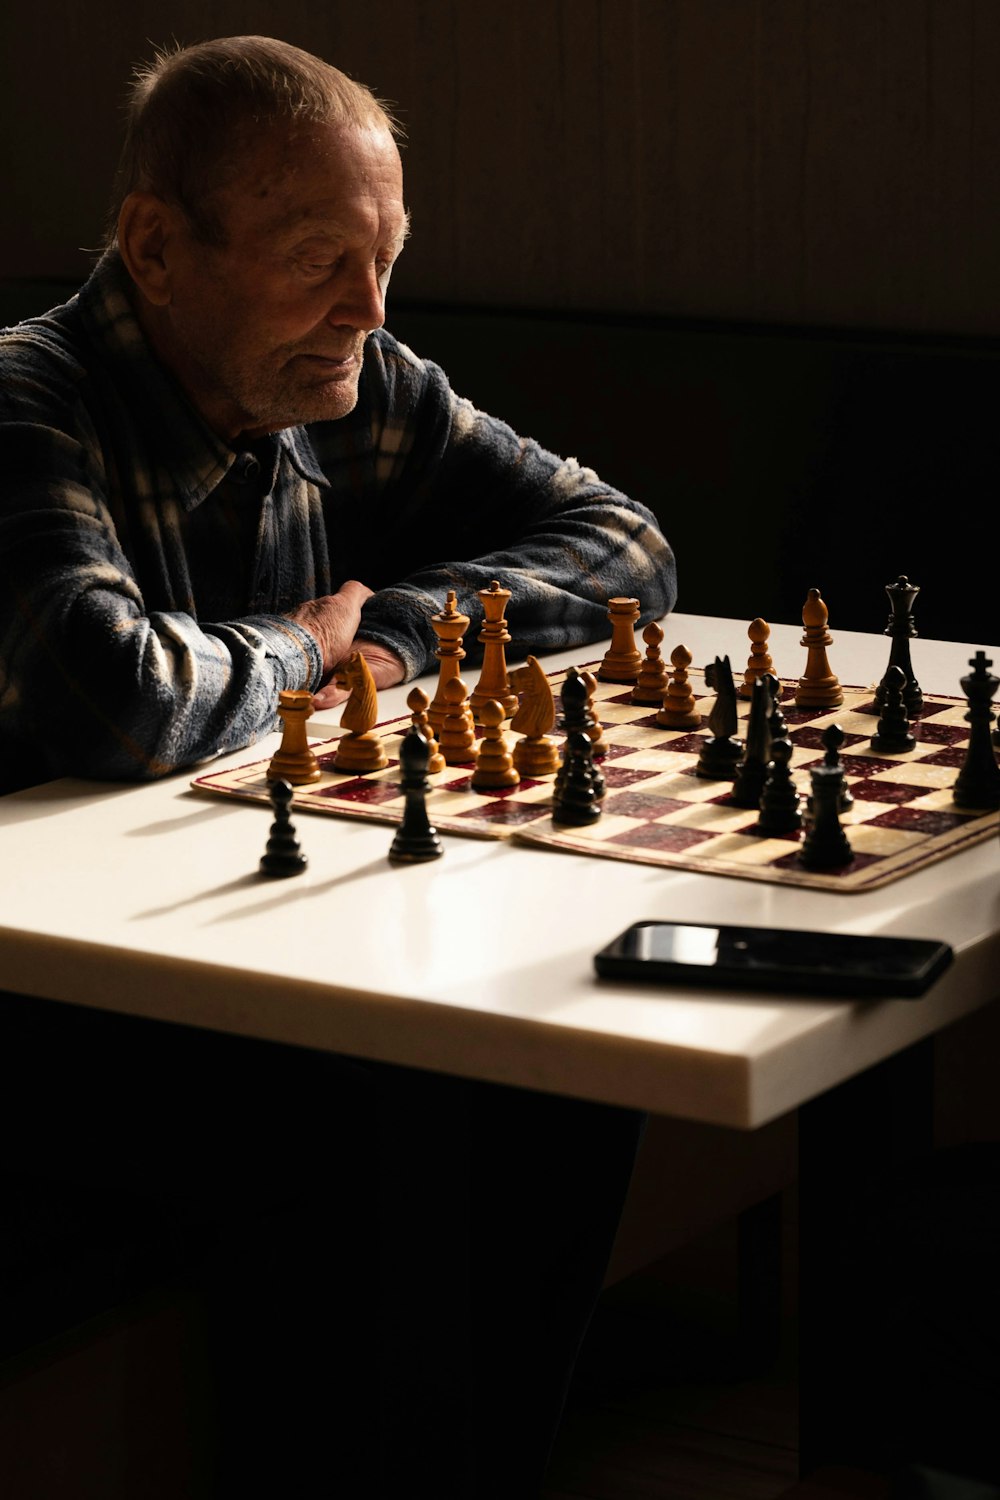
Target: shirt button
247	467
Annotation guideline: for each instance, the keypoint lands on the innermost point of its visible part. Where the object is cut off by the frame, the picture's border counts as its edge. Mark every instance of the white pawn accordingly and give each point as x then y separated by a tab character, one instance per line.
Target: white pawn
679	709
457	738
653	674
494	763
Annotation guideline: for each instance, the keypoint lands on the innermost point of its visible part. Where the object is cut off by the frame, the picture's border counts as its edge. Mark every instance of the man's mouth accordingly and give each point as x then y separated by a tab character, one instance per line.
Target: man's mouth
333	366
349	358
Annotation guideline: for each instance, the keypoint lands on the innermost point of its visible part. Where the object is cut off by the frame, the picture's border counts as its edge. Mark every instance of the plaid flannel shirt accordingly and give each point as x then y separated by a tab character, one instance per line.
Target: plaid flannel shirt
146	566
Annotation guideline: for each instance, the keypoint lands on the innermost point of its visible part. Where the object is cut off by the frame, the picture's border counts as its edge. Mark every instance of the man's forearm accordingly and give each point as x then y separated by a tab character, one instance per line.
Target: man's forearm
461	499
560	581
136	698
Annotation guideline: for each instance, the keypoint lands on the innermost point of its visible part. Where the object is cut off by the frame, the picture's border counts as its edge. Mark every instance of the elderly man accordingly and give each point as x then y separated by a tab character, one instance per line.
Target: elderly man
221	476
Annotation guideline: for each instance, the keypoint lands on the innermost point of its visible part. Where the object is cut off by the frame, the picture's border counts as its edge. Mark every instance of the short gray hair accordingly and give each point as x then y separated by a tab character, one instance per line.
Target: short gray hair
193	110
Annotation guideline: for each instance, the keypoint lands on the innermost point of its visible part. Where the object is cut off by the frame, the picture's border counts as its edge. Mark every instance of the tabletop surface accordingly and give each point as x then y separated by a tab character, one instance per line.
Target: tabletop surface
146	900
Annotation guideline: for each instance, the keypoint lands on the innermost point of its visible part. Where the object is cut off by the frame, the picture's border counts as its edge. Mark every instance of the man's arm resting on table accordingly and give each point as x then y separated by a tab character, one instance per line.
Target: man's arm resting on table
333	620
92	682
101	689
460	499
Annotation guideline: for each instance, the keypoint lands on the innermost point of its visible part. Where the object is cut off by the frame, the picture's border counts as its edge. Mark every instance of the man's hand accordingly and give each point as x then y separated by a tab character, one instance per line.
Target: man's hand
333	620
386	669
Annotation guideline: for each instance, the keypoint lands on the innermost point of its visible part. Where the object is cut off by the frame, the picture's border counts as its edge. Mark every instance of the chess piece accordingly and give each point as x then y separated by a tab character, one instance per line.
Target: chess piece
449	625
818	687
622	661
574	700
679	710
494	763
457	735
415	839
575	800
283	856
594	726
752	769
652	683
359	750
833	738
825	846
977	786
535	754
892	735
721	751
778	724
494	684
780	811
760	662
418	703
294	761
578	718
901	628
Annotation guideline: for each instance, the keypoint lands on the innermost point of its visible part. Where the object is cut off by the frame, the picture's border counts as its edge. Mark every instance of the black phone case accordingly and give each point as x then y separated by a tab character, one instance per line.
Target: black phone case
848	965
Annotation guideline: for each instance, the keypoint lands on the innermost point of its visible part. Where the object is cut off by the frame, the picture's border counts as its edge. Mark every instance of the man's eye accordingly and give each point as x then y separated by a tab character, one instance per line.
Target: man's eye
316	269
316	264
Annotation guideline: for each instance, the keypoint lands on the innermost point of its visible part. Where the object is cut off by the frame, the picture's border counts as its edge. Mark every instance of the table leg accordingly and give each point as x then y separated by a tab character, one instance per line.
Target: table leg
760	1273
852	1142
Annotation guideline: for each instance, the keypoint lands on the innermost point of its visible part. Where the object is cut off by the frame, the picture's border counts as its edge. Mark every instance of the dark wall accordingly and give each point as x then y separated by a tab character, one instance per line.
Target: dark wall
802	161
610	198
777	460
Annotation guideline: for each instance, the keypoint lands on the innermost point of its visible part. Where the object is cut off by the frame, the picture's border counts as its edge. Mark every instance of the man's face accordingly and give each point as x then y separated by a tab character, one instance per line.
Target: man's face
267	330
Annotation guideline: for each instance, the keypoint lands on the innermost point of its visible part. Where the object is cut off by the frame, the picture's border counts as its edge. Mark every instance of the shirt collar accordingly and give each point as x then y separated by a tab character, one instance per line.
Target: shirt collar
196	457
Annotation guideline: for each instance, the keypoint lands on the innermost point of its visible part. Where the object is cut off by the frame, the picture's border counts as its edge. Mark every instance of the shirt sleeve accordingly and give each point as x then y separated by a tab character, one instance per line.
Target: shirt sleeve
462	500
90	682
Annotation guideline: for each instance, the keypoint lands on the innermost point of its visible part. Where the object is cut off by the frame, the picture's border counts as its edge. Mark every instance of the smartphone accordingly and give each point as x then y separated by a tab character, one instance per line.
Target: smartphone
774	958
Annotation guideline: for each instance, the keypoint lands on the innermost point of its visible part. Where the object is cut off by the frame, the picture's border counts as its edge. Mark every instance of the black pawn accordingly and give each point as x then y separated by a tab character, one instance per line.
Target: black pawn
779	801
833	737
751	773
575	799
720	752
893	733
978	784
779	724
578	717
901	628
415	839
825	846
282	855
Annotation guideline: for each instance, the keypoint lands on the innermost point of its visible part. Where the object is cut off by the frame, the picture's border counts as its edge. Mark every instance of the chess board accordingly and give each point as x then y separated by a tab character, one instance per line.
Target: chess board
657	811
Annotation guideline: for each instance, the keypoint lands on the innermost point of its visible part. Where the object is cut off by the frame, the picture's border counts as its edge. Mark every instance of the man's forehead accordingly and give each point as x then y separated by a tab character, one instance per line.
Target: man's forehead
328	221
359	150
321	178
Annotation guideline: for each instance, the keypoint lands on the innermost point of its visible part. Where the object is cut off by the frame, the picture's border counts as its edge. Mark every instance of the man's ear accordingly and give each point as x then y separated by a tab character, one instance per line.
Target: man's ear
146	227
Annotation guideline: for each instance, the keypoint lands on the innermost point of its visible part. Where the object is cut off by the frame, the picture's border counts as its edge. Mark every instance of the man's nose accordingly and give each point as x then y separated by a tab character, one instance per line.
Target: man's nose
361	304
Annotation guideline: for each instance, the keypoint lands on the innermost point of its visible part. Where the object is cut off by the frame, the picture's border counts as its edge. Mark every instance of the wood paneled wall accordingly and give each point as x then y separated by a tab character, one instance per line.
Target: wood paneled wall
802	161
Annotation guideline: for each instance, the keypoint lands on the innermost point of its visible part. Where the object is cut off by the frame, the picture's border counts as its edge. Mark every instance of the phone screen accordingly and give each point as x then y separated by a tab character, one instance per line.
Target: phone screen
783	959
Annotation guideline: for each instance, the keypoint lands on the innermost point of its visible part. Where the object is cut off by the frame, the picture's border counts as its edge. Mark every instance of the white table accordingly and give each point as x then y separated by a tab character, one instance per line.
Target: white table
146	900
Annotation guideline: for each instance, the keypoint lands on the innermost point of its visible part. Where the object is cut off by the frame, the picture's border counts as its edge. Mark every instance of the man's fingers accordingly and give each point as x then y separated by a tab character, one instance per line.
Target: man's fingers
354	590
333	620
329	696
385	674
385	666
